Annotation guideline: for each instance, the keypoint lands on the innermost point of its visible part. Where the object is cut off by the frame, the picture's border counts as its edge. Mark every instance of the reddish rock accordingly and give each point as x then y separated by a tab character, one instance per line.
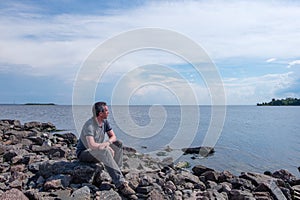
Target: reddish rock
13	194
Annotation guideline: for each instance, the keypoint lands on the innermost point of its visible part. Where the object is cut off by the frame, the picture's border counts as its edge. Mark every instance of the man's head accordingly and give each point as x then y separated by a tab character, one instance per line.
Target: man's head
100	109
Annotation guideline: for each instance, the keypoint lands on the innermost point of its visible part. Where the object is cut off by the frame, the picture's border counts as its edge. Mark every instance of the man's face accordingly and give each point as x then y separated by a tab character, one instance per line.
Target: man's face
105	113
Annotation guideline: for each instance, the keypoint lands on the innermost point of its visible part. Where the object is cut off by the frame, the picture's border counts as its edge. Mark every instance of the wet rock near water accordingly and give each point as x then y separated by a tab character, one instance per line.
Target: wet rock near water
37	164
202	151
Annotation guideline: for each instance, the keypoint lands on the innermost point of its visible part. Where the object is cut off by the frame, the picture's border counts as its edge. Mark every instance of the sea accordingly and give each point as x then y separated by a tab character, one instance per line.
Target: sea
251	139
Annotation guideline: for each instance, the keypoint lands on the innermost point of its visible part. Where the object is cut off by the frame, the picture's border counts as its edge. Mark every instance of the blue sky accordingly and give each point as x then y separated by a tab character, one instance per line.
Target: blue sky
254	45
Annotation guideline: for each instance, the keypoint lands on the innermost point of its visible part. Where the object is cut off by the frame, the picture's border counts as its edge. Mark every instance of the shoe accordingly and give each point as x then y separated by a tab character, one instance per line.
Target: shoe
126	190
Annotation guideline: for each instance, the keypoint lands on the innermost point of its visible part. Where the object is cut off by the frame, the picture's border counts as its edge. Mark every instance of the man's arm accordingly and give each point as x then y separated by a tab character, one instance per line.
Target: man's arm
94	145
112	136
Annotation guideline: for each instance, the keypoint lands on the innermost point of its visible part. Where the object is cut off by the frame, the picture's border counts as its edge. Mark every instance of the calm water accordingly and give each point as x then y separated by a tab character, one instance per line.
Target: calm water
253	138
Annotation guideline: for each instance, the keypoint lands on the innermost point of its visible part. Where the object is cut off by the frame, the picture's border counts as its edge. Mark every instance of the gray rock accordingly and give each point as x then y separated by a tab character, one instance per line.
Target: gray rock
211	194
211	175
237	183
202	151
83	193
57	181
145	180
256	178
200	169
81	172
144	189
285	176
57	153
241	195
108	195
170	185
133	178
69	138
155	195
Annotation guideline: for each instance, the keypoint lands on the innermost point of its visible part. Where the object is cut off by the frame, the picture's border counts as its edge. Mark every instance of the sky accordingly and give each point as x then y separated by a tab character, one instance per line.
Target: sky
254	46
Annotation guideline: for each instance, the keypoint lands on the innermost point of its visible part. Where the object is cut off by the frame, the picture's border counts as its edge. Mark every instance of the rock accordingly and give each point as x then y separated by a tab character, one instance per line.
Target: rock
285	176
57	153
40	149
200	169
168	149
211	175
133	178
61	194
169	185
203	151
161	153
155	195
37	140
129	150
32	194
189	177
57	182
276	192
81	194
9	155
108	195
256	178
13	194
182	164
83	174
144	189
10	124
296	191
39	126
145	180
133	163
239	195
237	183
69	138
44	166
211	194
17	168
168	161
2	149
225	176
262	195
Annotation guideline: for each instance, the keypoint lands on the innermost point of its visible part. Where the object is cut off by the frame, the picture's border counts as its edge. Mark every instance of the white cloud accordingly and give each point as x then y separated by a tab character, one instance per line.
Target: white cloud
251	29
271	60
38	44
295	62
252	90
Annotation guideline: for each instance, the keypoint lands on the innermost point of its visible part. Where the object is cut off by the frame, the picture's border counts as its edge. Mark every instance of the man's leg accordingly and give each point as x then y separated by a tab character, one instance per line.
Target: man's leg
107	159
118	149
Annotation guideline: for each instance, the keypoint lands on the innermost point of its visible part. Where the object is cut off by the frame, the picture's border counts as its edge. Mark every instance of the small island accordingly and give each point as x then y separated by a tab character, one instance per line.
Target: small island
39	104
281	102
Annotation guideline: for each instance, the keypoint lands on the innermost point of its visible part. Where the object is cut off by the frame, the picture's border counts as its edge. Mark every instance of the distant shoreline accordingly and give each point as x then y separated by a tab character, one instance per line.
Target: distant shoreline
39	104
281	102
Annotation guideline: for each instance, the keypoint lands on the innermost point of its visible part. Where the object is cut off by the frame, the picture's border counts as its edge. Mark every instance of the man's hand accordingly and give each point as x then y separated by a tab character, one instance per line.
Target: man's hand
105	145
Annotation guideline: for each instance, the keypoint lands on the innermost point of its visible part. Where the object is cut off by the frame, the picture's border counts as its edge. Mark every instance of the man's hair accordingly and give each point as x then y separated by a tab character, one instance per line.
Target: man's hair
98	107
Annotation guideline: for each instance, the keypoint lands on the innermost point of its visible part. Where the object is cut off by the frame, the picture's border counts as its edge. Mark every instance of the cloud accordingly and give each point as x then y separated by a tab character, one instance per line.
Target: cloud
59	40
295	62
38	41
251	90
271	60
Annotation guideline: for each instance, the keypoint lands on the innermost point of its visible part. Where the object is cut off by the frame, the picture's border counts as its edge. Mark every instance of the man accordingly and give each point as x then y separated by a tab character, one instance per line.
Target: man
91	146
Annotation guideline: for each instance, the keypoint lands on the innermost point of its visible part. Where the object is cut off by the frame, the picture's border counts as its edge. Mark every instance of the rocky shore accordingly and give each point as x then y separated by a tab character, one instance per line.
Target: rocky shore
37	164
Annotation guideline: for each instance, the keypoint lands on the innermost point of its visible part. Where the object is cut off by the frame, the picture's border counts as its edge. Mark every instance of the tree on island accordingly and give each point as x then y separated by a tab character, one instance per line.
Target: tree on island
281	102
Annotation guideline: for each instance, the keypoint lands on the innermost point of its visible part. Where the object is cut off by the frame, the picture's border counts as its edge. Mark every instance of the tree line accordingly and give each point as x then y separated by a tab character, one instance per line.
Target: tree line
281	102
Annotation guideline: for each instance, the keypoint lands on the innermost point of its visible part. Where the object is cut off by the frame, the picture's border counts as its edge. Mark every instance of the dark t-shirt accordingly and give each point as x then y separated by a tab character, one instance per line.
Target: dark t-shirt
92	128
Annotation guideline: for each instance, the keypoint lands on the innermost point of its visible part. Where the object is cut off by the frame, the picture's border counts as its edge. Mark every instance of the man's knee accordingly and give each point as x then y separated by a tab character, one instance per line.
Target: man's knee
118	144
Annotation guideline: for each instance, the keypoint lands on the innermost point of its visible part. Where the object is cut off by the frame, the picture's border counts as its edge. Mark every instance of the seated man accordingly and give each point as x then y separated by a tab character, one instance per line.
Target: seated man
91	146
